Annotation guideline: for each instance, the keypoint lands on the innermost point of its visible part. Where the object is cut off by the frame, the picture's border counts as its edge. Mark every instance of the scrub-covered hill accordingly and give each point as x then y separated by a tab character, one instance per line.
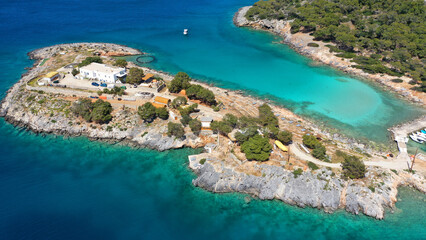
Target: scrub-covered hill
381	36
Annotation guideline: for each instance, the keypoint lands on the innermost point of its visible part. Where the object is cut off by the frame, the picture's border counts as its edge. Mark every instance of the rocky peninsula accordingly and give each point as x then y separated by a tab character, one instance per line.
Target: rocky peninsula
292	177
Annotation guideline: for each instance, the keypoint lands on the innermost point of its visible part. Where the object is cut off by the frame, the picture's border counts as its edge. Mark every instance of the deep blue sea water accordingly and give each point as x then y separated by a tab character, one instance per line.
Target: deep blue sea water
55	188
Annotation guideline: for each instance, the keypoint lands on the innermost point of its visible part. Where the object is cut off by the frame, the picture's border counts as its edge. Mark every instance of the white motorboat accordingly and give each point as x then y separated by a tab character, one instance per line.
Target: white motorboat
185	31
415	138
421	136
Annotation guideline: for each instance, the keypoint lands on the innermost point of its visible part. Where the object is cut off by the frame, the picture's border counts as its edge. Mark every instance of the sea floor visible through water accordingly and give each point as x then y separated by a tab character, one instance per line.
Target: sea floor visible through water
72	188
59	188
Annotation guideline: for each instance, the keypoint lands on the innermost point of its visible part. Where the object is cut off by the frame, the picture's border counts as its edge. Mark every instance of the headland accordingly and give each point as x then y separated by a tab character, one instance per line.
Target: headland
298	163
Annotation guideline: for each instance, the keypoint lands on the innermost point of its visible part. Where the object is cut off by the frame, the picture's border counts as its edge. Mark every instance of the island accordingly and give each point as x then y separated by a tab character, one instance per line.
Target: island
247	145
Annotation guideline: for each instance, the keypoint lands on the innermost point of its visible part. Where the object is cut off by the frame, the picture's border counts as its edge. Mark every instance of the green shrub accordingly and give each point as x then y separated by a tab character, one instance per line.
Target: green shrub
266	116
221	127
353	167
257	148
297	172
162	113
135	75
179	101
310	141
175	129
319	152
202	161
90	60
246	134
120	63
312	166
147	112
179	82
397	80
346	55
99	111
285	137
75	72
195	126
312	44
185	120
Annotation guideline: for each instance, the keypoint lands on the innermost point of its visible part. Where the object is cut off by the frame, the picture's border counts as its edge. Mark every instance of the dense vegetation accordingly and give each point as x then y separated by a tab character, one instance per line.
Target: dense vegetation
194	91
99	111
135	76
120	63
115	91
149	113
90	60
353	167
175	129
195	126
388	36
253	133
318	150
257	148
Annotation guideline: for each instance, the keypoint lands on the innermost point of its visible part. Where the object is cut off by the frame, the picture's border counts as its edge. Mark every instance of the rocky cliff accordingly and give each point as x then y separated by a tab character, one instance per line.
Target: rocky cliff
321	188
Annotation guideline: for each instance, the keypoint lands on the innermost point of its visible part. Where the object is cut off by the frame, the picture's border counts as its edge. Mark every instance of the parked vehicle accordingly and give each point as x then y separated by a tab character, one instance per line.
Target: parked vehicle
103	85
95	84
119	99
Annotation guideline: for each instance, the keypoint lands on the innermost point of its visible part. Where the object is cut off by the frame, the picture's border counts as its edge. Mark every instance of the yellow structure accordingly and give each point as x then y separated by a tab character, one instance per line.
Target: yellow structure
162	100
158	105
281	146
147	77
51	76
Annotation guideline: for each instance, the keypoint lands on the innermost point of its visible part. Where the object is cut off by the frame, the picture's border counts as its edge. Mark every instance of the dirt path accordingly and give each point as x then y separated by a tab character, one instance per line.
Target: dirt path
396	164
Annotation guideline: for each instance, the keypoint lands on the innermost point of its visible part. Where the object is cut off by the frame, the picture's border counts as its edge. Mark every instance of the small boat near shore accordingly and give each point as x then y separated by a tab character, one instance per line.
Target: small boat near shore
419	137
185	31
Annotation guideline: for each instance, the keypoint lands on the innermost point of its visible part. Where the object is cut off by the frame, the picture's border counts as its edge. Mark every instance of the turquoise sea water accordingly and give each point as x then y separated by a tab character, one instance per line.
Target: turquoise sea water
55	188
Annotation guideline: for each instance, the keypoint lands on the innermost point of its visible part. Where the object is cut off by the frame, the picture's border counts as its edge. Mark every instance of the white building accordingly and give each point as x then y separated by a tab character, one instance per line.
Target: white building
205	123
102	72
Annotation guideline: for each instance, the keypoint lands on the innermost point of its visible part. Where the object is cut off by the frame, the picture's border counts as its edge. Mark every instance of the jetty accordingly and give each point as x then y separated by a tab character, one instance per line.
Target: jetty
400	133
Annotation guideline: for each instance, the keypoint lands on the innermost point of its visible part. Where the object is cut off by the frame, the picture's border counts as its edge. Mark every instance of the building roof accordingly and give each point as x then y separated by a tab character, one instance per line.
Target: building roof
206	119
99	67
148	76
51	74
161	100
158	105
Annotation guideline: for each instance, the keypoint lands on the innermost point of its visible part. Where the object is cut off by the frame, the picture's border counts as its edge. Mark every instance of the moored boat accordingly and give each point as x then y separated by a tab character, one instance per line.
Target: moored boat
415	138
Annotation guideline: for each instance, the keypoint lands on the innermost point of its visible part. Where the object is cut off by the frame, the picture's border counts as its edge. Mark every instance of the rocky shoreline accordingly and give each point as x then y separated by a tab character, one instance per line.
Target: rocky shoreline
320	189
299	42
16	112
323	188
